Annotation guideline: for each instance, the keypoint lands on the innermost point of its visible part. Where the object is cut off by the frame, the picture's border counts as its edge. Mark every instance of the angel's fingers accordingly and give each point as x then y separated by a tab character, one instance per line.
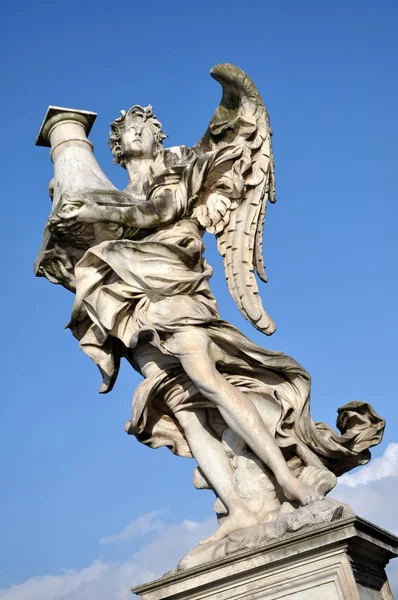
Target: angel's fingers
65	227
69	209
219	209
201	210
53	223
70	216
219	227
224	201
204	220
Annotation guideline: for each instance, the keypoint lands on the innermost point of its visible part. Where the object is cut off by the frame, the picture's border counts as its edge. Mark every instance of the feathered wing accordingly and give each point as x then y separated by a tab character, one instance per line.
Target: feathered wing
233	203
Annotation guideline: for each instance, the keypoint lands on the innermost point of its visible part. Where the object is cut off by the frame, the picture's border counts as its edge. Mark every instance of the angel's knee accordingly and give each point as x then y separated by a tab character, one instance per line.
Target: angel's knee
203	373
197	357
191	421
190	342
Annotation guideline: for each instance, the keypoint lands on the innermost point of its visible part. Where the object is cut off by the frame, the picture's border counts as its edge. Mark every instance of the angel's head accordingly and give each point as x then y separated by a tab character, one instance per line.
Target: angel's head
137	133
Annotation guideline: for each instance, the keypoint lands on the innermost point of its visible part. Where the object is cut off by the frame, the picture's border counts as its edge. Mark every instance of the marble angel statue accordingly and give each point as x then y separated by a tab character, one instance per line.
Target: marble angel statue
134	259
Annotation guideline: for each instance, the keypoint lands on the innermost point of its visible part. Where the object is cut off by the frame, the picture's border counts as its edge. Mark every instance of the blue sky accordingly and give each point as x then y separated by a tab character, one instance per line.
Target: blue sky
70	476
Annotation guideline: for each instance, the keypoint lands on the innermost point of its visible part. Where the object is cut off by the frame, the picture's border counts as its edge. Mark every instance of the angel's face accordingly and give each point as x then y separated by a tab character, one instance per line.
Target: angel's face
138	140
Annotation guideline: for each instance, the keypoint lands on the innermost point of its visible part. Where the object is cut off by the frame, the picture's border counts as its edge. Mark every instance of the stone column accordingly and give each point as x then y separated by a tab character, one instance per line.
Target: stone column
65	131
76	169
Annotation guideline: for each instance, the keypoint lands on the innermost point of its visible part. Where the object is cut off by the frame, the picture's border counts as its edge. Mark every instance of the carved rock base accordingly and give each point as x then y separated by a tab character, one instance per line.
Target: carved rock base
340	560
290	520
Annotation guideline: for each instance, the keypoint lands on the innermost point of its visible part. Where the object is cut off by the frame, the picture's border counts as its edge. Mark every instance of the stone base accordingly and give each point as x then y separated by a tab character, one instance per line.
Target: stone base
343	560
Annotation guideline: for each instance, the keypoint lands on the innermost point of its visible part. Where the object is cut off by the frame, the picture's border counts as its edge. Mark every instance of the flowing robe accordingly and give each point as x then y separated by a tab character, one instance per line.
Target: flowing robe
133	294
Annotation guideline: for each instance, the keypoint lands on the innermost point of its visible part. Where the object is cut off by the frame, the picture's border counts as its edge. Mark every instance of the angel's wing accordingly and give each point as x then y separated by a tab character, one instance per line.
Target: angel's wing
240	122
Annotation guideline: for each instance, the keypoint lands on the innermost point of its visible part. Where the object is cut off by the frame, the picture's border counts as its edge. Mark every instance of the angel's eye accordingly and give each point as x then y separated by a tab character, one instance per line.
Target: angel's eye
132	129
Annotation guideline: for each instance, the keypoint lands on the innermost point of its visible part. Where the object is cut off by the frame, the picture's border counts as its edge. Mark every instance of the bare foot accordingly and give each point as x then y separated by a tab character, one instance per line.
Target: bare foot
297	490
239	518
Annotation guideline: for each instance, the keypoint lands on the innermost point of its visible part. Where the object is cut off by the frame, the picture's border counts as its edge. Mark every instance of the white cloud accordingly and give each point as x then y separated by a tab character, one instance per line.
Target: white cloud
141	526
191	524
373	489
55	586
113	580
378	468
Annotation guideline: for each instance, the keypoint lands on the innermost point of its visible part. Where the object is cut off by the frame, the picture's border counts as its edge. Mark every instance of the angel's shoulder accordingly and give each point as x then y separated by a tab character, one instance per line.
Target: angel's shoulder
177	155
170	163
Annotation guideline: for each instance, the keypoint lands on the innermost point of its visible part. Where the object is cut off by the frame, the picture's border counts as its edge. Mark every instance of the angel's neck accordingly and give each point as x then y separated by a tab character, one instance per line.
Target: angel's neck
138	171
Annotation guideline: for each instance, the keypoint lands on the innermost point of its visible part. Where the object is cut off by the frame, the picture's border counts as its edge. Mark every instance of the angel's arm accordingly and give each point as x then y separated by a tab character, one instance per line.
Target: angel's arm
119	208
159	209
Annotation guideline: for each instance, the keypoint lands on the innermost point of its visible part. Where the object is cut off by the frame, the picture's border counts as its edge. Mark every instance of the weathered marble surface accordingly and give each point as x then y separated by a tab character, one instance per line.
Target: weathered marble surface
134	260
343	559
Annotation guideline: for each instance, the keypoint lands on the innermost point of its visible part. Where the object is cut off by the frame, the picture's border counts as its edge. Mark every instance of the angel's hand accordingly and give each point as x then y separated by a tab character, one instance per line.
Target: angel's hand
213	214
75	211
79	209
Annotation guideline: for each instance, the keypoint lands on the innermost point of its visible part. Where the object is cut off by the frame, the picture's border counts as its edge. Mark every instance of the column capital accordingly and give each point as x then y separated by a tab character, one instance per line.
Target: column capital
57	114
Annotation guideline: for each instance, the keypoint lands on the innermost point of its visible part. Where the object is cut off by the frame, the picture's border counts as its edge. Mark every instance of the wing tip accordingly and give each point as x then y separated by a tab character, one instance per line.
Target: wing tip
266	324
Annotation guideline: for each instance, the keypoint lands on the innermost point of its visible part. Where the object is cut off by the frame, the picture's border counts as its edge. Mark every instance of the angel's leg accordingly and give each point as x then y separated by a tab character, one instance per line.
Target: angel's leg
238	411
214	464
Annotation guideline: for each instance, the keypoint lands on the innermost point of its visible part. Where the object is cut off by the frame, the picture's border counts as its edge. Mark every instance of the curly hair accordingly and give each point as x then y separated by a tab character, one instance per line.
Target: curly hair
119	124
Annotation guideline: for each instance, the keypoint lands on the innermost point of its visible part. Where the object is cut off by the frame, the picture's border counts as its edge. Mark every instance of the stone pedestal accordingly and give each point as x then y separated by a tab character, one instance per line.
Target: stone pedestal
343	560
